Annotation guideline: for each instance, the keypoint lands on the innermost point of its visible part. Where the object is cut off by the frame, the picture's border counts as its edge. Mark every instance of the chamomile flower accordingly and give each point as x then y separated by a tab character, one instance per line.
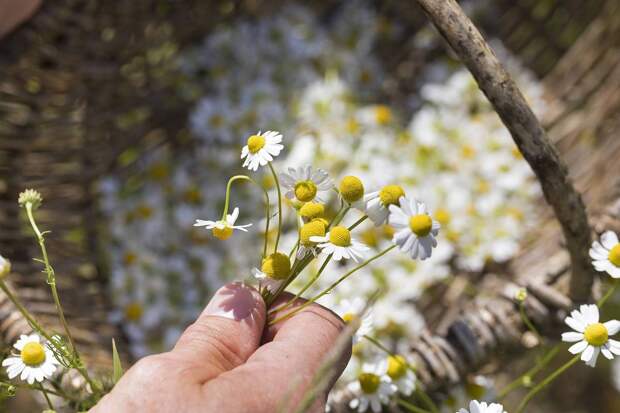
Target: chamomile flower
260	149
338	241
273	272
606	254
590	335
378	202
371	390
355	310
314	228
352	191
223	229
415	228
35	361
482	407
304	185
400	374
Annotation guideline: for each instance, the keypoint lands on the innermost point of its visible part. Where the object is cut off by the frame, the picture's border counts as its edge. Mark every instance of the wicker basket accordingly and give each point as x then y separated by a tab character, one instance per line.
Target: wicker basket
80	97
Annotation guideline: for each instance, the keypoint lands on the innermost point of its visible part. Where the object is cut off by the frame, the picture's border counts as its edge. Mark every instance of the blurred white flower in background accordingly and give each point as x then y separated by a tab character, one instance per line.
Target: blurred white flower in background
319	84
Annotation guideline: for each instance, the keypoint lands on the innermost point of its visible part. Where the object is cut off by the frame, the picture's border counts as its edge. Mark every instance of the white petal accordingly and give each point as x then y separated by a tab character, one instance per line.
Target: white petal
609	239
576	325
578	347
612	326
572	336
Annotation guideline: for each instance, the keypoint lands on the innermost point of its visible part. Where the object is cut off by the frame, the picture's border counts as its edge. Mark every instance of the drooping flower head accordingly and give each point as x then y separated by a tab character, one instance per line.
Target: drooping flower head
223	229
260	149
591	336
606	254
415	228
304	185
35	361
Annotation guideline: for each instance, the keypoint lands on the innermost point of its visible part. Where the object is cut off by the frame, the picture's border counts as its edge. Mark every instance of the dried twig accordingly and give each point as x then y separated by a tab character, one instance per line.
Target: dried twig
528	134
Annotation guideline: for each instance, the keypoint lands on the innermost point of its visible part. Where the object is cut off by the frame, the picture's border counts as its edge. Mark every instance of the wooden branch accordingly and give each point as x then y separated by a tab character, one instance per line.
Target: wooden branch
527	132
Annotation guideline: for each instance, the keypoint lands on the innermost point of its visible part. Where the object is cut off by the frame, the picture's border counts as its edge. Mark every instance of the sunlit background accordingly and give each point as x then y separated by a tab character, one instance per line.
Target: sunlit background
130	119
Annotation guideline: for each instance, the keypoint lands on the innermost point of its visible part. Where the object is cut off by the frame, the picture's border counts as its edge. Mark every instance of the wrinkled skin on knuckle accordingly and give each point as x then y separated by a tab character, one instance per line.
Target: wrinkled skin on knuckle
224	353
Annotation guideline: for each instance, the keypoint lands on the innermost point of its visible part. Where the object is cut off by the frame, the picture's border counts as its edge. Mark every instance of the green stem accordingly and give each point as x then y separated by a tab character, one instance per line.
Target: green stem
332	286
359	221
339	217
546	382
531	373
526	320
33	323
51	279
305	288
275	177
410	407
608	294
47	398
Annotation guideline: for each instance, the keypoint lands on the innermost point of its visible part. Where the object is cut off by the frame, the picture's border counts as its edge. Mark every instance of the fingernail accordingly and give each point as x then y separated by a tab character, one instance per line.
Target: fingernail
235	301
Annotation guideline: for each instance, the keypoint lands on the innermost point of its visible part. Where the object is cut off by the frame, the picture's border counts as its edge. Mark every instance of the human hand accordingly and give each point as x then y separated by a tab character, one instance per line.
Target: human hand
230	361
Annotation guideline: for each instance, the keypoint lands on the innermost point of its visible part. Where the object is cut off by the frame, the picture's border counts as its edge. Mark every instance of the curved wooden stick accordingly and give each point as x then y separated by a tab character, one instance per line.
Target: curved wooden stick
527	132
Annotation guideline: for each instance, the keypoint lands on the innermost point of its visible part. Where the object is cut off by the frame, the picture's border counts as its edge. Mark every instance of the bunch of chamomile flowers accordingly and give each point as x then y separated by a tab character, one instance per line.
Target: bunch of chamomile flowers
321	236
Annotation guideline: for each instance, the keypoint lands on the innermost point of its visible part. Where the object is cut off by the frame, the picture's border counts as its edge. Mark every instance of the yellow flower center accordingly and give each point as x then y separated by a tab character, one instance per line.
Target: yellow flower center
277	266
311	229
33	354
390	194
129	258
340	236
468	152
312	210
192	196
305	191
596	334
352	126
133	312
383	114
369	382
256	143
369	237
216	121
517	153
614	255
388	231
159	172
443	216
322	221
144	211
397	367
223	233
351	189
483	186
348	318
421	224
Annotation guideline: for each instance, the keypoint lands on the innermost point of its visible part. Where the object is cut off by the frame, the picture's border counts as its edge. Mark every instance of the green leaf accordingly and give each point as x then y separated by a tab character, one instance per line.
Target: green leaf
116	362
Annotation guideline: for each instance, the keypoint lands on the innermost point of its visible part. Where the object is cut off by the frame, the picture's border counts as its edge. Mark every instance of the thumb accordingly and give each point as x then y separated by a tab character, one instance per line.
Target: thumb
227	332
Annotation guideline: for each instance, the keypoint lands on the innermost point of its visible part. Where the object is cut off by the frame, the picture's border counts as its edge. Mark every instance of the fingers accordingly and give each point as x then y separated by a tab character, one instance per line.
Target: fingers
227	332
290	363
